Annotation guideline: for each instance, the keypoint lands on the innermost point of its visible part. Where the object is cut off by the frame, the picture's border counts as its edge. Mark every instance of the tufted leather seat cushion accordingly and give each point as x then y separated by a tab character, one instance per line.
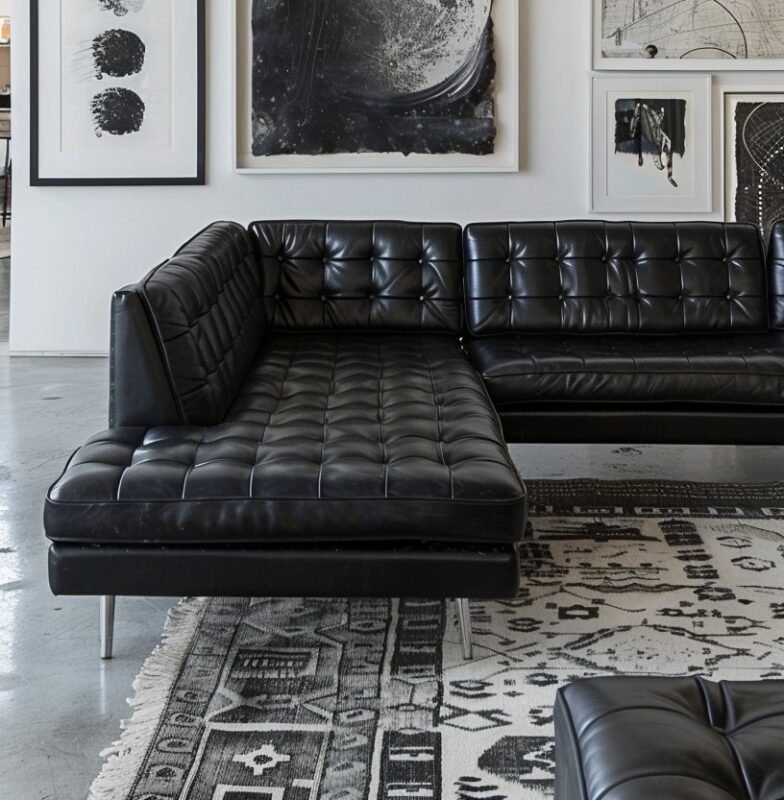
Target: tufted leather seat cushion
674	738
393	276
690	368
333	438
615	277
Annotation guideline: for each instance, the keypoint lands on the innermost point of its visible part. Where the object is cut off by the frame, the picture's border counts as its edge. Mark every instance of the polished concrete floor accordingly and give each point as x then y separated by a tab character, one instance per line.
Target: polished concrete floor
59	704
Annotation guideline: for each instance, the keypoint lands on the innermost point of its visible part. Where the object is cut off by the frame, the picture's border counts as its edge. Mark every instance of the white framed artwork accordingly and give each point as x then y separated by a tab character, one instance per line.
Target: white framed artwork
651	144
396	88
117	92
688	35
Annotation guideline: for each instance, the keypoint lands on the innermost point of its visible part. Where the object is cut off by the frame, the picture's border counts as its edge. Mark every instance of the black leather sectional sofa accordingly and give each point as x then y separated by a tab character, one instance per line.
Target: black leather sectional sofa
319	408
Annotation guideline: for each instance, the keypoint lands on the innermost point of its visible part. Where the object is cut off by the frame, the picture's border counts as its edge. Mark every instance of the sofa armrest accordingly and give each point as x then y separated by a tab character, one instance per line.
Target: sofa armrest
184	338
140	391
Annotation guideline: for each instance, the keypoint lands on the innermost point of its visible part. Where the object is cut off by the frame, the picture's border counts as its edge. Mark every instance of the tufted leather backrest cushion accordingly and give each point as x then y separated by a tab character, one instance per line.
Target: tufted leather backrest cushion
361	275
776	272
206	310
600	277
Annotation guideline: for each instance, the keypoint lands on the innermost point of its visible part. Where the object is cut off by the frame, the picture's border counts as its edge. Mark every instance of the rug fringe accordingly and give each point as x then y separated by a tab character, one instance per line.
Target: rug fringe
152	687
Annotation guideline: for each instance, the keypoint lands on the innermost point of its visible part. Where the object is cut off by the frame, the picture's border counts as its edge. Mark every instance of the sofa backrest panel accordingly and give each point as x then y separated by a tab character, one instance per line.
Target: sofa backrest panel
776	270
361	275
205	313
602	277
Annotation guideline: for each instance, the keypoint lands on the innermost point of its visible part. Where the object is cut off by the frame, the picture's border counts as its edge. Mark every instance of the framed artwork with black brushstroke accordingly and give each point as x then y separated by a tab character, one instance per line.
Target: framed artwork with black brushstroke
754	157
117	92
651	144
704	35
377	86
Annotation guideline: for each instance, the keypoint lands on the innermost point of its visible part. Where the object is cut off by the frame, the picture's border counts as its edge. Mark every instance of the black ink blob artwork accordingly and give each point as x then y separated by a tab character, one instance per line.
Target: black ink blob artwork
759	158
375	77
652	127
121	7
117	111
118	53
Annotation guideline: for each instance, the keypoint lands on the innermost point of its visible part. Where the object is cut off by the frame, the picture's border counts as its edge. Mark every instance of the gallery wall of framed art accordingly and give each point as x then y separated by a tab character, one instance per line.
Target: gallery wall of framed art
117	92
653	41
409	87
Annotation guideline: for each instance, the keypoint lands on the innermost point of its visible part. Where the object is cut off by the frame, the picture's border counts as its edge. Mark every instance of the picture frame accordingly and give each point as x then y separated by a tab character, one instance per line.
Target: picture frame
651	157
106	114
504	159
724	24
5	29
752	160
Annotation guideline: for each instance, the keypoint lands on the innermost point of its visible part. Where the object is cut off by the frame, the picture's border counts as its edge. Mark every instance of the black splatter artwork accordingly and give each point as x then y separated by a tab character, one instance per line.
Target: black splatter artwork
652	127
759	160
117	111
121	7
118	53
373	77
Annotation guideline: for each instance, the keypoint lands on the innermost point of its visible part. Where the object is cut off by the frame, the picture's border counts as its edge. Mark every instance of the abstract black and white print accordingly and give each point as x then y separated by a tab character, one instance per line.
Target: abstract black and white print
115	72
653	129
759	163
661	30
311	699
376	77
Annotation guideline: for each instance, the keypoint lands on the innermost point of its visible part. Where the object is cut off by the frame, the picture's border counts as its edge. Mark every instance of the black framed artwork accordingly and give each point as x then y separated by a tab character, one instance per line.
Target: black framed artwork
117	92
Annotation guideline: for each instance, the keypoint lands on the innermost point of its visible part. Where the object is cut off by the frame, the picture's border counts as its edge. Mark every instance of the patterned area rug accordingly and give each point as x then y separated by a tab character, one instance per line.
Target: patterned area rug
371	700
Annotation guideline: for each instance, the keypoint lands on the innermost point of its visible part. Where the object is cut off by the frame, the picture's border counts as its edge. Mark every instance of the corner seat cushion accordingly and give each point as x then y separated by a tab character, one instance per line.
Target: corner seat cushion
333	438
641	738
745	369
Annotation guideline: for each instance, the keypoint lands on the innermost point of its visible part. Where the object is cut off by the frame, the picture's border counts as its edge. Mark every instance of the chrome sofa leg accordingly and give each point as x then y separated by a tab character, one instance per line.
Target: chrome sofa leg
464	616
107	625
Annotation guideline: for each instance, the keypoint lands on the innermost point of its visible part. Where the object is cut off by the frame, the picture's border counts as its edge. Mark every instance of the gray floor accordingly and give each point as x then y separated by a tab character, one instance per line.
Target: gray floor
59	704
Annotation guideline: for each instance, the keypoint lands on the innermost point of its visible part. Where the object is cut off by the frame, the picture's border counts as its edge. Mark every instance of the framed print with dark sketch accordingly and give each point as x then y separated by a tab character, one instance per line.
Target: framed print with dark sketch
117	92
651	144
754	157
416	86
704	35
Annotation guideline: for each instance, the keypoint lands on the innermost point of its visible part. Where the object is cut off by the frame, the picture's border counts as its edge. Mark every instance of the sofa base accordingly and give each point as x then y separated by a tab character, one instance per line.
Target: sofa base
605	425
480	573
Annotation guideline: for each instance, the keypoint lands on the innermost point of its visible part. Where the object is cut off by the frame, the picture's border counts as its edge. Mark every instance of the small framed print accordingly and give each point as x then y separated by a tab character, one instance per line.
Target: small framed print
688	35
753	126
651	144
117	92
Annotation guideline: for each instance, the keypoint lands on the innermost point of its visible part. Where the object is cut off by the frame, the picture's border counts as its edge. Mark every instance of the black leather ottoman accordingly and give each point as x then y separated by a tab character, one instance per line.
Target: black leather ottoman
669	739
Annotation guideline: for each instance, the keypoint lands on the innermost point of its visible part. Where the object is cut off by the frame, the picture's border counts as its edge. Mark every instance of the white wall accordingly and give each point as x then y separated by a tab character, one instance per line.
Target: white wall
72	247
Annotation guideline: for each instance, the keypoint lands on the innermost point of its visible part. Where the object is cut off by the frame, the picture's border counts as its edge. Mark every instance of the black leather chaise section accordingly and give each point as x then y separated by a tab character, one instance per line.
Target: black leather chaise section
692	368
361	275
675	738
333	438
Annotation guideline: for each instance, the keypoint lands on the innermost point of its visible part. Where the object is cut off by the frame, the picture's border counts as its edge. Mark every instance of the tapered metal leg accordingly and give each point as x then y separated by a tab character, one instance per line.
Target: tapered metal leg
464	616
107	626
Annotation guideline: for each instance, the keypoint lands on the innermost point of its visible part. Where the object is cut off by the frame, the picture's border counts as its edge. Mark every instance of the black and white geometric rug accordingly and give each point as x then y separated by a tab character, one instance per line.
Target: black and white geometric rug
371	700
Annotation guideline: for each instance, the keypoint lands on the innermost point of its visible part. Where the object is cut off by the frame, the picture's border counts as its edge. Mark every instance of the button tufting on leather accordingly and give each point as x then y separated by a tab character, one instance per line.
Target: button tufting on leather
682	737
662	259
374	279
318	418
